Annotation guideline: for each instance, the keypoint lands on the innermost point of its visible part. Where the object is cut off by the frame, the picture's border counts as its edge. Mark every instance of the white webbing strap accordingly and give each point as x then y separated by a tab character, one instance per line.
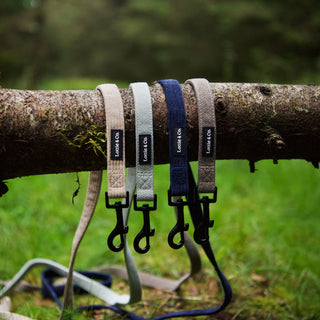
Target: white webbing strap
144	141
91	286
132	272
144	163
5	311
5	315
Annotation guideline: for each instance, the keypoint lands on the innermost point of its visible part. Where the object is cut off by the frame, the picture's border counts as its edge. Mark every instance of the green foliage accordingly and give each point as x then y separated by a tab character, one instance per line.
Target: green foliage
135	40
91	139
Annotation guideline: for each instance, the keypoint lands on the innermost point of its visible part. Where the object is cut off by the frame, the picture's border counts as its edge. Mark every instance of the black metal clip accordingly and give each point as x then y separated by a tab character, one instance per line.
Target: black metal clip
145	232
201	233
120	229
180	226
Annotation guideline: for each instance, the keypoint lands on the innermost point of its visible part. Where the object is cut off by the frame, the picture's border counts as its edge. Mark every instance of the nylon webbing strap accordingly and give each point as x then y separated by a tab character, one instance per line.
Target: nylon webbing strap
133	277
94	186
5	311
93	287
207	134
144	163
115	140
177	137
144	141
195	211
5	315
92	196
177	124
156	282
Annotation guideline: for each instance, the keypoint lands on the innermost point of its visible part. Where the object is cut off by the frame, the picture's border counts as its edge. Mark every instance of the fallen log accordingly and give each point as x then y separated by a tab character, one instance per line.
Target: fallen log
45	132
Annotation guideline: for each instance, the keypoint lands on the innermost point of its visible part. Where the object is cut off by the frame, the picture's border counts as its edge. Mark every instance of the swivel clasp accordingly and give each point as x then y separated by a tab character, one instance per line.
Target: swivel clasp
146	232
120	229
180	226
201	233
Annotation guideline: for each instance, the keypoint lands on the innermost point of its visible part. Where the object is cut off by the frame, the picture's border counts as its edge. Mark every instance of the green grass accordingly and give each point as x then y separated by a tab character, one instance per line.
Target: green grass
266	224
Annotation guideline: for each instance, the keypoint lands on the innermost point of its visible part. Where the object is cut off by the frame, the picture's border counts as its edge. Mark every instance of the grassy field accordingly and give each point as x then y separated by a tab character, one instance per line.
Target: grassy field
266	239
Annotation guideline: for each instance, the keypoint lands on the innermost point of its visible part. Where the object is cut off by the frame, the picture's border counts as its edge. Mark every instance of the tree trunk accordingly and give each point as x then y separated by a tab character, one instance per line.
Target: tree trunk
64	131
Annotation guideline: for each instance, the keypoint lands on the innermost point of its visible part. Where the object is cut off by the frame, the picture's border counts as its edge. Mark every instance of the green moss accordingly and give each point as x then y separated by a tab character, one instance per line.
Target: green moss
90	139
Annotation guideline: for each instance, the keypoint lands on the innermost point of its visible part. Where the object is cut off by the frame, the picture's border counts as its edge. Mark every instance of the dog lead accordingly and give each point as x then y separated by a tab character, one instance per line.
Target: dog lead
177	156
206	154
115	160
144	161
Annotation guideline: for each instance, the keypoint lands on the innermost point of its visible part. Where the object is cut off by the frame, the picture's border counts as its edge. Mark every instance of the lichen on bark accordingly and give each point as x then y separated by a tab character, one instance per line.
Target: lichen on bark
63	131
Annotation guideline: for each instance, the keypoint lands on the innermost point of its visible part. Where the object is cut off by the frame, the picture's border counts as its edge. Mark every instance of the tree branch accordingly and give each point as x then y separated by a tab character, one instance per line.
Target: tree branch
64	131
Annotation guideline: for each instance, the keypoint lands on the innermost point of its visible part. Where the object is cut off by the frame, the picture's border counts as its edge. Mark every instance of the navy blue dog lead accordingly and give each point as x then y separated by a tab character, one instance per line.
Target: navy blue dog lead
49	290
182	183
195	209
177	123
179	187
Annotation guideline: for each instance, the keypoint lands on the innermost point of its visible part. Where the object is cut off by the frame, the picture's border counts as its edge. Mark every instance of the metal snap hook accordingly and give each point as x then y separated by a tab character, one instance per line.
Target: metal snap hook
120	229
145	232
180	226
201	233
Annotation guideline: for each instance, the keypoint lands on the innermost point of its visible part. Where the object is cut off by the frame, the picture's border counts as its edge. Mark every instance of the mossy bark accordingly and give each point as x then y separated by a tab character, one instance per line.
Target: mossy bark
63	131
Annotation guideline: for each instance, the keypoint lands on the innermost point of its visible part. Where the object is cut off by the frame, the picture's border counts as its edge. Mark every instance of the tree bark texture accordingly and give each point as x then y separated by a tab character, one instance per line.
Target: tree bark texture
45	132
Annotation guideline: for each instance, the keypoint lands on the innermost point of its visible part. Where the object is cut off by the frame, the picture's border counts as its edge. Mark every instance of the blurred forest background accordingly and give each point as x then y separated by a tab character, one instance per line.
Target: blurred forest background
266	235
145	40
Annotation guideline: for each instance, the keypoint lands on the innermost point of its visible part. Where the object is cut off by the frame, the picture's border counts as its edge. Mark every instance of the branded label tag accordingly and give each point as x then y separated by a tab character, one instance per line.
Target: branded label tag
144	149
207	141
179	141
116	144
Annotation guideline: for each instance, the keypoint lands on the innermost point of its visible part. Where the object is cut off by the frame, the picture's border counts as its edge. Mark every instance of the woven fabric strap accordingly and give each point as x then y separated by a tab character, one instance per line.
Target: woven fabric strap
109	296
144	141
5	314
195	211
207	134
177	137
93	192
91	286
115	140
152	281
